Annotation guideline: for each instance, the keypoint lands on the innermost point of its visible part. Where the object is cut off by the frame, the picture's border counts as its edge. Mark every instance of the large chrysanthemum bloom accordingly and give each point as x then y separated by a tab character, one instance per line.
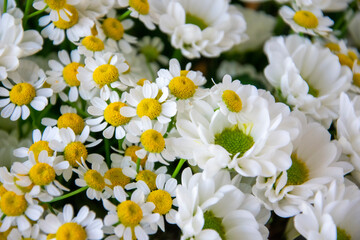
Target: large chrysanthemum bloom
208	209
204	27
15	43
315	162
334	214
27	90
65	226
306	76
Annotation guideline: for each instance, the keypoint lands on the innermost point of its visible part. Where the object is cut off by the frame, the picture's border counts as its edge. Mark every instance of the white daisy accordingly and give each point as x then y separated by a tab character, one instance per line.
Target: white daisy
28	79
31	233
151	48
57	9
65	225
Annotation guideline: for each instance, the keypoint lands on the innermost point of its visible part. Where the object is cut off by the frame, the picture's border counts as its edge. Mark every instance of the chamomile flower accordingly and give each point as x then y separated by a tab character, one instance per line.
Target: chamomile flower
151	48
148	100
103	72
32	233
108	117
151	136
133	215
74	149
309	21
56	8
65	226
28	79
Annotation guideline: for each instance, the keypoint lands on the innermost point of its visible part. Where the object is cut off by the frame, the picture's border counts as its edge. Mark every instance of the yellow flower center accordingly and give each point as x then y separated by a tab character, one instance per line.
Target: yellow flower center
129	213
141	6
73	153
162	201
298	173
69	73
12	204
2	190
55	4
105	74
191	19
306	19
113	28
51	236
71	231
22	93
93	43
130	151
39	146
334	47
153	141
74	18
150	52
73	121
232	100
356	79
182	87
148	177
141	82
352	55
183	73
341	234
116	177
42	174
94	180
345	60
149	107
112	114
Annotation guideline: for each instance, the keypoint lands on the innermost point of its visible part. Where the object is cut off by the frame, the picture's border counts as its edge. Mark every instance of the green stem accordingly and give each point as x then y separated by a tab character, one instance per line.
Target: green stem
178	167
5	6
36	13
69	194
33	119
50	208
124	15
138	165
120	142
107	152
26	12
170	126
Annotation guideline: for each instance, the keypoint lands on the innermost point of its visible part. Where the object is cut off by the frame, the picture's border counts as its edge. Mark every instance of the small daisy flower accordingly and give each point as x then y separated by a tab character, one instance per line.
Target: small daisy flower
27	90
103	72
111	114
94	179
155	146
151	48
74	149
31	233
148	100
140	9
130	217
307	21
65	226
56	8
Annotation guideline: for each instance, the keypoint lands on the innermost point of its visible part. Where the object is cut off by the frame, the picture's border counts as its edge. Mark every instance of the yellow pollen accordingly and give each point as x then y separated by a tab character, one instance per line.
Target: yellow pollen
148	177
232	100
129	213
162	201
12	204
73	153
149	107
141	82
345	60
39	146
130	151
73	121
116	177
333	46
113	28
94	30
94	180
69	73
93	43
298	173
182	87
22	94
42	174
112	114
153	141
306	19
74	18
141	6
183	73
105	74
55	4
71	231
356	79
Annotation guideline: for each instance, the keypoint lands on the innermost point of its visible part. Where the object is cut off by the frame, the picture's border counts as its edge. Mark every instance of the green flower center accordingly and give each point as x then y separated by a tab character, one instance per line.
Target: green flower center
191	19
150	52
298	173
342	235
215	223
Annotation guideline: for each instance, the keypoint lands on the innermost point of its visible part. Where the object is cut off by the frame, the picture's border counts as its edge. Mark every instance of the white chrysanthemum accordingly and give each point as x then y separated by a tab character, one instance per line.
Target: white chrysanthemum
28	90
206	27
107	116
154	145
208	209
148	100
56	8
333	216
314	163
348	129
151	48
309	21
11	8
103	72
64	225
308	77
130	217
74	149
15	43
